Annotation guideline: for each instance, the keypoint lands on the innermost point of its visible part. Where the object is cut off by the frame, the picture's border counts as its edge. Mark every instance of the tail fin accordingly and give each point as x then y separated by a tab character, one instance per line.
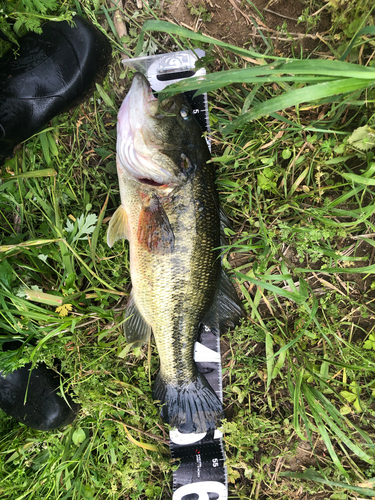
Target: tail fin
192	407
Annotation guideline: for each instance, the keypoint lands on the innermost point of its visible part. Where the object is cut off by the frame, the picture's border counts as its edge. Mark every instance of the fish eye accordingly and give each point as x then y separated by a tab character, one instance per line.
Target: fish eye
185	113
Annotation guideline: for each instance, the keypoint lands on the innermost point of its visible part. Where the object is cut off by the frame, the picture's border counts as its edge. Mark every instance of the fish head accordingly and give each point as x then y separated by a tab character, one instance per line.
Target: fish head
158	144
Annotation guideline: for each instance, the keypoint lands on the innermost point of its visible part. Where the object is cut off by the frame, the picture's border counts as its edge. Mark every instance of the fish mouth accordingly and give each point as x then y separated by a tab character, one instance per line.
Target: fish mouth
137	146
134	112
140	94
150	182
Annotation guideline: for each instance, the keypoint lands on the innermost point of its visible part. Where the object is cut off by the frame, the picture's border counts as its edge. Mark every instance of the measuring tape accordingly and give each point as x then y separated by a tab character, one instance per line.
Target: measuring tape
202	468
202	474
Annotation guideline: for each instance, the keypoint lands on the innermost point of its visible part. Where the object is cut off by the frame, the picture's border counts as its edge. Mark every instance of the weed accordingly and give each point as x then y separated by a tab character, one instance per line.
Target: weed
200	11
16	18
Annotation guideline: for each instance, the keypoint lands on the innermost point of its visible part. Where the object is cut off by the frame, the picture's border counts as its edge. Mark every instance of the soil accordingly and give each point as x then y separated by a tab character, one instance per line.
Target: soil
239	23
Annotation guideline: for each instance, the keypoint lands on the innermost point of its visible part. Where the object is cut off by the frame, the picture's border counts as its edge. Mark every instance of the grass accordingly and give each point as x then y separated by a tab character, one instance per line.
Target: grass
296	177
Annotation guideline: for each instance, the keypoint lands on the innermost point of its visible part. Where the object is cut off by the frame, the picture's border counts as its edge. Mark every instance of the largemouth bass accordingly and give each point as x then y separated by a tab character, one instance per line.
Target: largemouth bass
170	214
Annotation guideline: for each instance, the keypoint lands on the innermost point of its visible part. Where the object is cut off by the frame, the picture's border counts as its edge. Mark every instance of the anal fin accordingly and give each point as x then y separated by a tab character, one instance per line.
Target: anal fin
136	330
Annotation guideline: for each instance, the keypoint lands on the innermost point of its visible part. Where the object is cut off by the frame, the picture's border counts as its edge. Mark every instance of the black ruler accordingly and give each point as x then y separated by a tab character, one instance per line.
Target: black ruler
202	473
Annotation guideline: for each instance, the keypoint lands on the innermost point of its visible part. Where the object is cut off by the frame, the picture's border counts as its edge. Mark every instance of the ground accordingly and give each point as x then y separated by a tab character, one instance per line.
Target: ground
236	22
114	385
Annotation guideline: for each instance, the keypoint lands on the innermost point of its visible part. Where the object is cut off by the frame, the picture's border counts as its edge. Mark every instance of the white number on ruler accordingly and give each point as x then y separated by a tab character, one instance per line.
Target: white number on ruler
178	438
203	353
202	489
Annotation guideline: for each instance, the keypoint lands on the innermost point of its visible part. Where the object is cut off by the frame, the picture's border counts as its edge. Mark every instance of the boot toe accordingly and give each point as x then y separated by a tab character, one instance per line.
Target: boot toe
42	408
53	71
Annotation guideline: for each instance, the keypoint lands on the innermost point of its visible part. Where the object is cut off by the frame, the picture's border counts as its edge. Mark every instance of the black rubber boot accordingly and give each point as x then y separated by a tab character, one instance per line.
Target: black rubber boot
51	74
44	410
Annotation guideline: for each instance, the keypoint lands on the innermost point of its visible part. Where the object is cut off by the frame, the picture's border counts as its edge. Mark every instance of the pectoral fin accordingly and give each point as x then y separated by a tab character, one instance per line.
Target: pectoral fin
118	226
136	330
154	230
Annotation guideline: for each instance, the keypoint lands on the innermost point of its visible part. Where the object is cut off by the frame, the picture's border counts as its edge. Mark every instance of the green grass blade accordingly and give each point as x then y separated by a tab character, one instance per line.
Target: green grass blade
95	234
336	415
290	344
296	405
269	357
27	244
23	304
296	297
45	147
316	412
313	476
349	270
105	96
45	172
353	366
280	361
43	298
305	94
214	81
344	438
327	68
343	198
174	29
294	71
44	317
369	30
64	242
359	179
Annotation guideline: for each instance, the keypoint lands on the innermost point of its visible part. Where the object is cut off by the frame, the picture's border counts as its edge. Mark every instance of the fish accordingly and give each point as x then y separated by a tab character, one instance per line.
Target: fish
171	216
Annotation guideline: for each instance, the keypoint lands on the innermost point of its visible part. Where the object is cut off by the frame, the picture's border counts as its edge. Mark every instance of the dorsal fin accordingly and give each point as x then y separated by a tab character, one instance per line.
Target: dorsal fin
226	310
224	223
